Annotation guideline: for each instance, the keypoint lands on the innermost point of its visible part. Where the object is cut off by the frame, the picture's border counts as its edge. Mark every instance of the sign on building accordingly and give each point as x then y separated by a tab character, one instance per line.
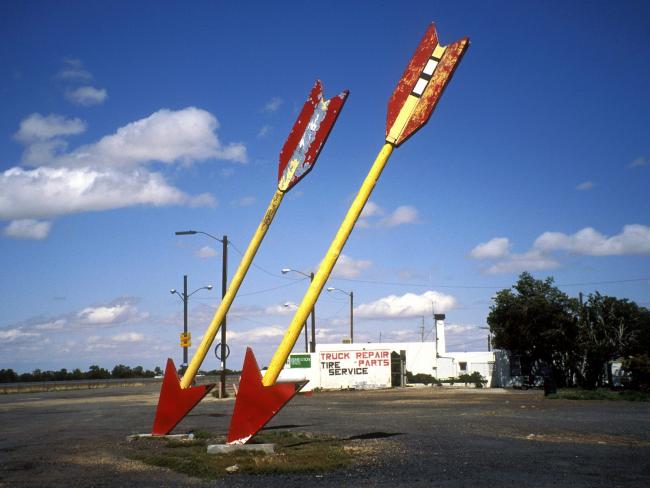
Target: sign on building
354	368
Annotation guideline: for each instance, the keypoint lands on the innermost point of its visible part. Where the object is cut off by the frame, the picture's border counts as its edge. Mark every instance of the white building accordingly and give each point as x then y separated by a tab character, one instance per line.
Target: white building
382	365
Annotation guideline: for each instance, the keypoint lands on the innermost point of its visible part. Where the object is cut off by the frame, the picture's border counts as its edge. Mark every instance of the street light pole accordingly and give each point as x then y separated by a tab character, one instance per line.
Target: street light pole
224	289
309	346
312	347
185	343
351	295
351	317
184	321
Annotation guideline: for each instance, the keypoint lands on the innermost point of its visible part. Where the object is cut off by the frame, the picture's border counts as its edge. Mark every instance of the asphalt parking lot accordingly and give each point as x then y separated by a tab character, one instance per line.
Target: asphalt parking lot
428	437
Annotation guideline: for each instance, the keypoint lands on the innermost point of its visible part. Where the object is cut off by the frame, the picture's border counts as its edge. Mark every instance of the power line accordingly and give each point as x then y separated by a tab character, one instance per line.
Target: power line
496	287
270	273
270	289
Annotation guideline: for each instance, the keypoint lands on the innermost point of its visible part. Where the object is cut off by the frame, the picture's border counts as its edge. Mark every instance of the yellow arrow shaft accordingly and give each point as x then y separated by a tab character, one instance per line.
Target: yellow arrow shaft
320	278
233	288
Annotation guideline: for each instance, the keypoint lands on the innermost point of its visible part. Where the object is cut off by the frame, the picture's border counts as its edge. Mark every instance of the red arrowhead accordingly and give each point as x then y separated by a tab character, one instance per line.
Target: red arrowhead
174	402
256	404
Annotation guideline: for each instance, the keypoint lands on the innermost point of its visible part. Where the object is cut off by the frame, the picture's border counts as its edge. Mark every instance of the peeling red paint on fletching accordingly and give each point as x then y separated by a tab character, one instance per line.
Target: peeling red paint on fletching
428	100
308	136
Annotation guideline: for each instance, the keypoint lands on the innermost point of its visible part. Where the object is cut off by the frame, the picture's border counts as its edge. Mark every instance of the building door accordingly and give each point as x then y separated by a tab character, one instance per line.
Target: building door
395	369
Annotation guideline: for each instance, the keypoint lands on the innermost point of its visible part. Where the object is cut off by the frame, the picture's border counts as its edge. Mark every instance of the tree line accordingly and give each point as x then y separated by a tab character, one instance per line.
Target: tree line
572	340
94	373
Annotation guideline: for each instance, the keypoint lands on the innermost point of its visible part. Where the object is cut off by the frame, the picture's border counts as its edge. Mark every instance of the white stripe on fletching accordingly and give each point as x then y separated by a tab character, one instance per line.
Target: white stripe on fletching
430	67
419	87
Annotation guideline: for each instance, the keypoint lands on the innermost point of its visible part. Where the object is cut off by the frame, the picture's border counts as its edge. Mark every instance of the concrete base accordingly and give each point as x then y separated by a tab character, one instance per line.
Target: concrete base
228	448
178	437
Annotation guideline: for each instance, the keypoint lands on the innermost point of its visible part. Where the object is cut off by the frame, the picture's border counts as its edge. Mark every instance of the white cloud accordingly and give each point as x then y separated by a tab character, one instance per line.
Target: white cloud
458	328
74	71
12	335
87	95
37	127
28	229
373	215
404	214
128	337
206	252
408	305
273	104
287	308
264	131
633	240
48	192
260	334
167	136
494	248
346	267
533	260
371	209
56	324
109	173
119	312
638	162
243	202
585	185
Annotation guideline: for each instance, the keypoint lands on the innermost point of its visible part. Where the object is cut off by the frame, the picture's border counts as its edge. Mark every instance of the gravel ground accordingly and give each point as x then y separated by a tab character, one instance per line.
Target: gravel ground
414	437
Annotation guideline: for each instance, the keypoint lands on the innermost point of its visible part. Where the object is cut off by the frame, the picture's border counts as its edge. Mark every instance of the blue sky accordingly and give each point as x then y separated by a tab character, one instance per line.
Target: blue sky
123	122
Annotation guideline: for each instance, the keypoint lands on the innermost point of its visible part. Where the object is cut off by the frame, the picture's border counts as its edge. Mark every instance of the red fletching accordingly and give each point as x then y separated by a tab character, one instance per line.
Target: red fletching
421	87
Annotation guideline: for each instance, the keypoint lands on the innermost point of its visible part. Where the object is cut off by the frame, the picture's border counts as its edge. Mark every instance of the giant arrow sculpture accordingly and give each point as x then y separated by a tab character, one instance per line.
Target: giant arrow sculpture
409	108
297	158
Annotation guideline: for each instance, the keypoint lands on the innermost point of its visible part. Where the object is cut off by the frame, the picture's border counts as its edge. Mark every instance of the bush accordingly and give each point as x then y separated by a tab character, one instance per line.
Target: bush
427	379
638	368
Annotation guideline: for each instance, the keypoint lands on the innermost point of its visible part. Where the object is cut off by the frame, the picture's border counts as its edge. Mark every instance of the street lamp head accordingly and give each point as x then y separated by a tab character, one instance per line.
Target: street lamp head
172	291
286	270
331	288
185	232
209	287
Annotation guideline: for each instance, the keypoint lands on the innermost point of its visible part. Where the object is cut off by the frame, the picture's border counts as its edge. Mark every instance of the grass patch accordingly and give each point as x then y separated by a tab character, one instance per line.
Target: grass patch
295	453
600	394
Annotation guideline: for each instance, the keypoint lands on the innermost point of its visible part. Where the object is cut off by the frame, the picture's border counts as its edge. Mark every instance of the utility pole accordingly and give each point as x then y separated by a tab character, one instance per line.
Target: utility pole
185	336
351	317
224	289
312	346
422	330
184	367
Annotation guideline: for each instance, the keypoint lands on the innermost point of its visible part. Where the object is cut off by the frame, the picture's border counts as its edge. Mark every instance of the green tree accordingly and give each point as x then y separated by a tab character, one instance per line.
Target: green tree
610	329
121	371
538	322
8	376
97	373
